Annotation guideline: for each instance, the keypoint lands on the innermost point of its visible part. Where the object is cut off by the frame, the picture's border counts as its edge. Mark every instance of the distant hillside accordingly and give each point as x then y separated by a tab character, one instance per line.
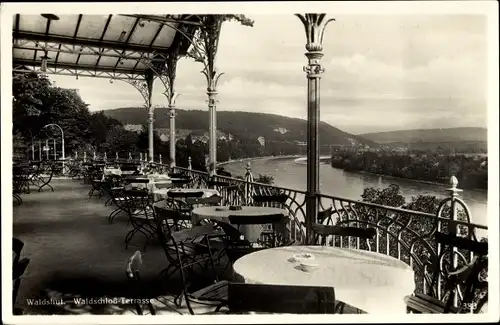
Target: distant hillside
243	125
466	139
468	134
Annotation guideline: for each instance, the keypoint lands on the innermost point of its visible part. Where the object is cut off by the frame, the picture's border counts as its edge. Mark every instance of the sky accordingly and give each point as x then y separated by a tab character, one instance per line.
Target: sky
382	73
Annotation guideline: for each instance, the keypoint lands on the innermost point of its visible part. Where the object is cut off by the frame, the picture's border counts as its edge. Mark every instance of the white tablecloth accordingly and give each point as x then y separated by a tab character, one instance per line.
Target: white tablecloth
251	232
373	282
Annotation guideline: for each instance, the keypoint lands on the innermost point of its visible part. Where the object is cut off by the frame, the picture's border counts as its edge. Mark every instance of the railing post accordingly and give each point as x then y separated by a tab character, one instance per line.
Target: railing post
189	164
95	156
129	156
159	156
248	183
85	156
116	155
140	157
452	226
145	156
76	155
105	157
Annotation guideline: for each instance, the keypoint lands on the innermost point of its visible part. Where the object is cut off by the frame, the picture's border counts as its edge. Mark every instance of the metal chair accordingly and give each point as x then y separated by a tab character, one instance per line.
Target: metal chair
141	215
18	268
214	294
467	277
322	232
268	234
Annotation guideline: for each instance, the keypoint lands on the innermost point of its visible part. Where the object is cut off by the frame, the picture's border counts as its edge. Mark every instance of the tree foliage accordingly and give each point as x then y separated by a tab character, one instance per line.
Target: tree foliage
471	171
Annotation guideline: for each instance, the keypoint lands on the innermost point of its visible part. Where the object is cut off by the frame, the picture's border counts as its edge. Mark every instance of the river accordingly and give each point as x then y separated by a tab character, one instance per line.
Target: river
337	182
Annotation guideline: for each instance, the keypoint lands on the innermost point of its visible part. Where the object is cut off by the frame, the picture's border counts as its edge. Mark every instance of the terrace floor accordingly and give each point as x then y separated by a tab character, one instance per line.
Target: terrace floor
74	251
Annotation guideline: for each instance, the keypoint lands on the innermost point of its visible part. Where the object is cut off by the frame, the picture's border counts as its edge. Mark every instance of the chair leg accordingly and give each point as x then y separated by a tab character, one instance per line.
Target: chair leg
108	202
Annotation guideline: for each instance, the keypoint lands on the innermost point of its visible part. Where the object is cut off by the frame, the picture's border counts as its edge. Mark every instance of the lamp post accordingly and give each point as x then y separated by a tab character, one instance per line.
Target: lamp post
62	142
314	25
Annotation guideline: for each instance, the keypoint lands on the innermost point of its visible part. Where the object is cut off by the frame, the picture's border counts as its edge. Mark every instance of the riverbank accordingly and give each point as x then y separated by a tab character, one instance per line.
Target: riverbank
408	179
257	158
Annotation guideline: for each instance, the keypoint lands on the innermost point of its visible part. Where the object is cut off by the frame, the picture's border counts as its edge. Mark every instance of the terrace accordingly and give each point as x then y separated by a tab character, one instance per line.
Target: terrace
80	230
79	253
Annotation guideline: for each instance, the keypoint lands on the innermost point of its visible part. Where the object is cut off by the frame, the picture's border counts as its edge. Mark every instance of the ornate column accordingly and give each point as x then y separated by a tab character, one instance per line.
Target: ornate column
149	81
314	25
145	87
212	111
163	67
204	50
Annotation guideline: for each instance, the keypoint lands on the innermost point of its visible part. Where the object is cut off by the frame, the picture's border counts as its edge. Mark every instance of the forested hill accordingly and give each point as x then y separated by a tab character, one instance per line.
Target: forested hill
429	135
240	124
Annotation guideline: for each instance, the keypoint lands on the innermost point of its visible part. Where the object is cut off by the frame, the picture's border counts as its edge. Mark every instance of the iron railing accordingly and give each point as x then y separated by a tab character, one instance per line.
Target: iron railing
401	233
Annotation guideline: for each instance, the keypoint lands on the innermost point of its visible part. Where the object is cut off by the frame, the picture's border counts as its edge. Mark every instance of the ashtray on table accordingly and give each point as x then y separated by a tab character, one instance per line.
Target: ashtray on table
301	257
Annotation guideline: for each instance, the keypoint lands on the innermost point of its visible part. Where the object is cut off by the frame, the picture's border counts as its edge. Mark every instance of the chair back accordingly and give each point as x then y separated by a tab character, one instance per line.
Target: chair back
244	297
181	194
270	199
325	216
321	233
19	266
188	257
17	247
467	277
256	219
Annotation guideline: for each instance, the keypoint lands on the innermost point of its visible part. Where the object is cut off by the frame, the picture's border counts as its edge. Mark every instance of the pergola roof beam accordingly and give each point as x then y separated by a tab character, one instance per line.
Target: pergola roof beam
83	73
105	29
74	36
129	36
87	42
65	50
166	19
88	67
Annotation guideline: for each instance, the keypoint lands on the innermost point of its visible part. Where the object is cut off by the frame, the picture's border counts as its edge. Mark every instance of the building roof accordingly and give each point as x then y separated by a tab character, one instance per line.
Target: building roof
110	46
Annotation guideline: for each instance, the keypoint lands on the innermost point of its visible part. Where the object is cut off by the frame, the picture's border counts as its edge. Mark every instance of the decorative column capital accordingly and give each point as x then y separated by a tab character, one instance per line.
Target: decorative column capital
314	25
171	112
212	94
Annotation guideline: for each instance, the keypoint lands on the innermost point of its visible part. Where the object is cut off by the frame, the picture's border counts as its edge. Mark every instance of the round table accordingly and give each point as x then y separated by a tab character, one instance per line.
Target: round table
370	281
222	213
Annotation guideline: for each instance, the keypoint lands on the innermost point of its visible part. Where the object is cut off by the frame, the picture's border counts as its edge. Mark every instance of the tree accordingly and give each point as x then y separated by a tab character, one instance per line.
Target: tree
120	140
